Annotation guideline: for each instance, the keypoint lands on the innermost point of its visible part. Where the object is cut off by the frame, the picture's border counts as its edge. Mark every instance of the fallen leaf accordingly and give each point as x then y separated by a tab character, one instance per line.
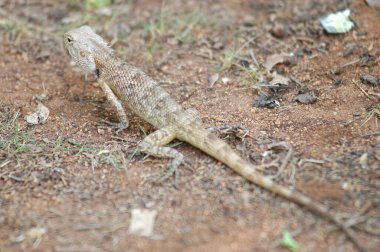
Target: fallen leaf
275	59
306	98
212	80
279	80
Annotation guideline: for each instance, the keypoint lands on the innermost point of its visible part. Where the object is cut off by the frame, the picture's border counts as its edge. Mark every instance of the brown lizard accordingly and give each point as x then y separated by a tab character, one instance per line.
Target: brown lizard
128	86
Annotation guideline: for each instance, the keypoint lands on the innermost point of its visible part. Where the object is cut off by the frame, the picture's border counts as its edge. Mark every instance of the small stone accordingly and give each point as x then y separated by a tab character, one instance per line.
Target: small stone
266	101
370	79
306	98
278	30
149	204
337	82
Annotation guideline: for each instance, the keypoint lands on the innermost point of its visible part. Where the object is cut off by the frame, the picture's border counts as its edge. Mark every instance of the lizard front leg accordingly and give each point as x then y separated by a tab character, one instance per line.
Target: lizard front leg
124	122
154	143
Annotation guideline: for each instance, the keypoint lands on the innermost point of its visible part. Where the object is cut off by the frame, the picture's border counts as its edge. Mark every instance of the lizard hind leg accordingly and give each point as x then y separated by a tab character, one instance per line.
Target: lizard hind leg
153	144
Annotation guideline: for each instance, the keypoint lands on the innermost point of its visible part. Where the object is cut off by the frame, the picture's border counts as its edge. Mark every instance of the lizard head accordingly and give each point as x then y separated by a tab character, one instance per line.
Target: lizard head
86	48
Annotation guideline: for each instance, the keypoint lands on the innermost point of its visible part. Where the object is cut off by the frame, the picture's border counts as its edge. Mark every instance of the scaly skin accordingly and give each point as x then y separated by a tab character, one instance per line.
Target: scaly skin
127	86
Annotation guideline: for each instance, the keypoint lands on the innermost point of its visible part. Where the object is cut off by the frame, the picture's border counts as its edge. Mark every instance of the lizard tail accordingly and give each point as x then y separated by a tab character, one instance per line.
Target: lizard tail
220	150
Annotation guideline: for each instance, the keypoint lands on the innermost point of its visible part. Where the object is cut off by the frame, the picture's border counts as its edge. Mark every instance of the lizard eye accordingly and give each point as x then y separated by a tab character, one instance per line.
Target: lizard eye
69	39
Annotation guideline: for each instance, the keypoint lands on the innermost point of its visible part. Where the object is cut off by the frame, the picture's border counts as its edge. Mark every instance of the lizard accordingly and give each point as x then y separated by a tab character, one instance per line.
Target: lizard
129	87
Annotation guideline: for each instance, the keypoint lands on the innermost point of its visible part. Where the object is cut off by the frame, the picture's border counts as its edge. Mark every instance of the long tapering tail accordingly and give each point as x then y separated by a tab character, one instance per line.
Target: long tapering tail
221	151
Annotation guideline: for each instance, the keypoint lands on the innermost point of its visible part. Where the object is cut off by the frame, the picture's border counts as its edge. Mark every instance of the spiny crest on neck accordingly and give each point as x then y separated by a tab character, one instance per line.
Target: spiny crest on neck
96	43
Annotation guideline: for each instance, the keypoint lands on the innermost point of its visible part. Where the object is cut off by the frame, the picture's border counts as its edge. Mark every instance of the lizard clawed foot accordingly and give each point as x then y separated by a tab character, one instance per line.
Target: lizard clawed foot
237	130
173	168
117	126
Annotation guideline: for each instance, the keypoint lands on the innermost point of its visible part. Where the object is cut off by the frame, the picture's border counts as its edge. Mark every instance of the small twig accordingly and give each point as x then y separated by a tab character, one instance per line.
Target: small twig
4	163
350	63
371	134
248	42
166	83
252	54
305	39
364	92
292	78
351	121
210	56
166	58
368	118
374	94
274	163
310	160
18	179
352	222
288	155
120	139
85	227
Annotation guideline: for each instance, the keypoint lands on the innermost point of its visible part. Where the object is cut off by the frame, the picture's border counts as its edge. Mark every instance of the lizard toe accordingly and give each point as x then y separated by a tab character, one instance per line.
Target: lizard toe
173	168
117	126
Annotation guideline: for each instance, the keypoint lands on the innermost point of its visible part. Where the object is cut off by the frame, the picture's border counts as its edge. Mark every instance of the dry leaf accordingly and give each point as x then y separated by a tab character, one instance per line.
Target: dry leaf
275	59
279	80
212	79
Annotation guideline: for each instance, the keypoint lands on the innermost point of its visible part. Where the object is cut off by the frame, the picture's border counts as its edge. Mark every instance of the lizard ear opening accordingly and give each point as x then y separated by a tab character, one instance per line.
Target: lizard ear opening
69	39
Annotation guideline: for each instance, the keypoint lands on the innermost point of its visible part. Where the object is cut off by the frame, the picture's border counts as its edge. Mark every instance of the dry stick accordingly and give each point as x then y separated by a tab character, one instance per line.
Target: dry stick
287	157
369	97
306	39
292	78
346	65
248	42
371	134
374	94
252	54
350	63
166	58
365	93
368	118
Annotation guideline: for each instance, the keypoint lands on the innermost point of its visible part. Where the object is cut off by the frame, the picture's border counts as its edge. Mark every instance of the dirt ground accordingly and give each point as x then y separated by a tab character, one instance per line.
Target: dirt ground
67	185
